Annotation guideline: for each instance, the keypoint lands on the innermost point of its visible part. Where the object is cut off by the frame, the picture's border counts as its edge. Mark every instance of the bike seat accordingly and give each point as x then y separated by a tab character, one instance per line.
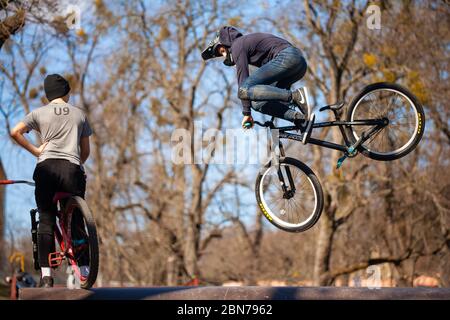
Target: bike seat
60	196
335	106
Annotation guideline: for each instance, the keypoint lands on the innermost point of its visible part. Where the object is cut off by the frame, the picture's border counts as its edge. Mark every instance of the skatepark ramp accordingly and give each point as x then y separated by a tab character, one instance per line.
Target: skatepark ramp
236	293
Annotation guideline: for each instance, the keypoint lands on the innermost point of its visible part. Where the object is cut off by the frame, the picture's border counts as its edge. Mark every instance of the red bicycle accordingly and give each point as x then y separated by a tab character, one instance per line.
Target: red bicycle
75	233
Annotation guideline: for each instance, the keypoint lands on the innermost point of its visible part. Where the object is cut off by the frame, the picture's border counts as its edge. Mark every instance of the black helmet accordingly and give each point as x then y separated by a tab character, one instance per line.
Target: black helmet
211	50
225	37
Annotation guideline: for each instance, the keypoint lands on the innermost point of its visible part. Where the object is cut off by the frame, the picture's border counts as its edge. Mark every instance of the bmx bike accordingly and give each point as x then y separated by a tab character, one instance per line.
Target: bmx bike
383	122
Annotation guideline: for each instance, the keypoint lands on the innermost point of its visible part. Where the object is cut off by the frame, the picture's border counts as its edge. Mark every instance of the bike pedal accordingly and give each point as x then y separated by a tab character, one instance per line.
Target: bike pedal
340	161
55	259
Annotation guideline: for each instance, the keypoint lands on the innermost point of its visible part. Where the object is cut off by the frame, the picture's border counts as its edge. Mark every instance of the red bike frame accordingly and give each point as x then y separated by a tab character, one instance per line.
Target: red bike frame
62	236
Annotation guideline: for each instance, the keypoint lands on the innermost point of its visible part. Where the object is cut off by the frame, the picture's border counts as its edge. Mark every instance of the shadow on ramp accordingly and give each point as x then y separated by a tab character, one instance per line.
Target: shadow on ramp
236	293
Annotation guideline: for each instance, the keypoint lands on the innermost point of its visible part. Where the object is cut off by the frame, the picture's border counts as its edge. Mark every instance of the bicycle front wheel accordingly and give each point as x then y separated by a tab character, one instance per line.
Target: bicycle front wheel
406	120
289	195
83	241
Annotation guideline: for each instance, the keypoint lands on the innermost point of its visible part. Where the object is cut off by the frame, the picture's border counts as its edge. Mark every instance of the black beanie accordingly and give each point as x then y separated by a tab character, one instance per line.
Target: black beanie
55	86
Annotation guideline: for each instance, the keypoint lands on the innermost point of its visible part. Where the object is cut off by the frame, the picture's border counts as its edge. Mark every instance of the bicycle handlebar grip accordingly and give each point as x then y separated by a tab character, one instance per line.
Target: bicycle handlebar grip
248	125
6	182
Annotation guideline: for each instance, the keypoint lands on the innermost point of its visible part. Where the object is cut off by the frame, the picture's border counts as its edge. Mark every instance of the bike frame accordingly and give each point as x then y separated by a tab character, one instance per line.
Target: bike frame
64	240
377	126
348	149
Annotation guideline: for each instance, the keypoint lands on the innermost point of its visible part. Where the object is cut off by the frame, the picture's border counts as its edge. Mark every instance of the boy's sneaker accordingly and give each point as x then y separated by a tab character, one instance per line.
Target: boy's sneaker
300	98
46	282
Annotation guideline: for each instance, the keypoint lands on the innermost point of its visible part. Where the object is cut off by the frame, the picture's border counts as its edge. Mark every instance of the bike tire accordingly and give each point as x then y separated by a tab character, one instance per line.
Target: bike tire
82	206
418	131
270	216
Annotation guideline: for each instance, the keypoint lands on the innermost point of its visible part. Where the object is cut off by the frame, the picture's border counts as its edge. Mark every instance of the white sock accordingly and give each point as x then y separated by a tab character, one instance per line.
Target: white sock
46	272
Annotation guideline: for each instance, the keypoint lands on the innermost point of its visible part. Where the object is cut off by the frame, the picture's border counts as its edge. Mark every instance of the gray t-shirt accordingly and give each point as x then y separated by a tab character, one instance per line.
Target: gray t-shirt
62	125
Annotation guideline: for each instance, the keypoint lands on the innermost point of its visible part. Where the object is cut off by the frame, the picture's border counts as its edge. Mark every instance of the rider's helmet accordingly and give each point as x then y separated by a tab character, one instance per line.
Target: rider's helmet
211	51
224	37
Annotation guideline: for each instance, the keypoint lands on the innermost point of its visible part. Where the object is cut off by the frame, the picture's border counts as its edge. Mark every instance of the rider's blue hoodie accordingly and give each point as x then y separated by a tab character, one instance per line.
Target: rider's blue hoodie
255	48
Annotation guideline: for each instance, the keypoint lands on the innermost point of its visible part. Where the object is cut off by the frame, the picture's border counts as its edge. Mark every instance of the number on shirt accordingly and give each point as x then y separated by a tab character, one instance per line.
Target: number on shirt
59	111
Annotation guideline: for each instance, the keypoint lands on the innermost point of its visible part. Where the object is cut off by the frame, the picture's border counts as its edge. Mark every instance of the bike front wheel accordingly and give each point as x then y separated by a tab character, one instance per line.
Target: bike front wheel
289	195
401	109
83	241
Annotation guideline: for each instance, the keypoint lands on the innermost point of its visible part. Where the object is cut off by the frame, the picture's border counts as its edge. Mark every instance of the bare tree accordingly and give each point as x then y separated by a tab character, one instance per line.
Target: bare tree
135	68
343	54
2	213
12	19
153	86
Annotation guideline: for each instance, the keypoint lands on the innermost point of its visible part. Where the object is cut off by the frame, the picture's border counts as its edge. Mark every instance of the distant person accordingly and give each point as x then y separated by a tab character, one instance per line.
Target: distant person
65	131
24	280
280	65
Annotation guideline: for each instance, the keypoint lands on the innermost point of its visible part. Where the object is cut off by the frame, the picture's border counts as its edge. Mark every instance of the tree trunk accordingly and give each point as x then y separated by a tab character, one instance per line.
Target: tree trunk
324	247
326	223
256	250
172	271
190	249
192	240
2	214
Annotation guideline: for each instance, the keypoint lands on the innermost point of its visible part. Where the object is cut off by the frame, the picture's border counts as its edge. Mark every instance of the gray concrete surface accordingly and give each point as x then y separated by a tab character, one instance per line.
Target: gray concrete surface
236	293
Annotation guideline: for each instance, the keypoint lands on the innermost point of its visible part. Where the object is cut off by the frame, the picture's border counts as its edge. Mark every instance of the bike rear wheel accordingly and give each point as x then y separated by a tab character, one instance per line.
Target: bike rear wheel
406	120
82	234
295	208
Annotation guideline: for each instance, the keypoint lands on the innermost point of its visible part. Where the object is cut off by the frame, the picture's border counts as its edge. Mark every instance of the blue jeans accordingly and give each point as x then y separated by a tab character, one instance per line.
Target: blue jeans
268	87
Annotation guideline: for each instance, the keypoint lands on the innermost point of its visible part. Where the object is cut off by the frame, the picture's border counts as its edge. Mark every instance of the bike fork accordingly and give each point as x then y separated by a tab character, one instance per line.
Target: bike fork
287	192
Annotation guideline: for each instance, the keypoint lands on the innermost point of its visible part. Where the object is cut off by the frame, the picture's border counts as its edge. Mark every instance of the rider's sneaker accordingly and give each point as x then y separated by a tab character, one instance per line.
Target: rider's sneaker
299	121
46	282
300	98
309	126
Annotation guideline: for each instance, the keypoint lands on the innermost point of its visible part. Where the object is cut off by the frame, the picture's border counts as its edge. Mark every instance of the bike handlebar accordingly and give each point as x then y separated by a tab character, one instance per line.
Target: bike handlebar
265	124
4	182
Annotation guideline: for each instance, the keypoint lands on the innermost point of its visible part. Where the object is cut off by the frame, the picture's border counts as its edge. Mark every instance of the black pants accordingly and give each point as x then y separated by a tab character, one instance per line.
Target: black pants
51	176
